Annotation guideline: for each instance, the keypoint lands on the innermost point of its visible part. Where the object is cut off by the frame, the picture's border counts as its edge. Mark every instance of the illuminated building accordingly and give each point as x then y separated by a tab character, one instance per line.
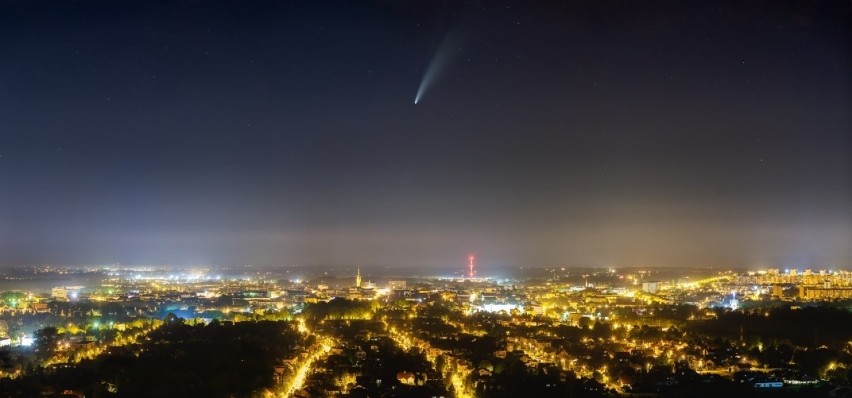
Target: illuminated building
650	287
358	278
59	293
823	293
733	303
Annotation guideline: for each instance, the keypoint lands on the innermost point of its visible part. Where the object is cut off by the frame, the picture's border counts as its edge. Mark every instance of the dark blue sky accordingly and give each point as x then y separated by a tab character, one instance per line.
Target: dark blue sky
591	133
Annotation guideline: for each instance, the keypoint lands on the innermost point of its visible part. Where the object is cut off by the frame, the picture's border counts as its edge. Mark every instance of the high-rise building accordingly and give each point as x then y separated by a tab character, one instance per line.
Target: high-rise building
650	287
823	293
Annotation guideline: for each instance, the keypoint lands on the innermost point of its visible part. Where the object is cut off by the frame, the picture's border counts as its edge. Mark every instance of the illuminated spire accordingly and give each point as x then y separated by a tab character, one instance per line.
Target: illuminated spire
358	278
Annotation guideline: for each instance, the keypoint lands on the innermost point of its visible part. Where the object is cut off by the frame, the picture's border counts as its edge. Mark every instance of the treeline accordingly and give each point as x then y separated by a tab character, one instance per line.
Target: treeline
512	378
338	309
809	327
180	360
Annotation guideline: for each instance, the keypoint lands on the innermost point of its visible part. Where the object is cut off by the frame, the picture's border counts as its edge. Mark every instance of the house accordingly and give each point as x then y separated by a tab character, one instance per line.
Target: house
405	377
280	372
769	384
69	394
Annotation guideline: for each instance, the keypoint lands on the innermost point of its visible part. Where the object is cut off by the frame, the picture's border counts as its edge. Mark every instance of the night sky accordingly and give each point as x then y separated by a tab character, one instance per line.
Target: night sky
590	133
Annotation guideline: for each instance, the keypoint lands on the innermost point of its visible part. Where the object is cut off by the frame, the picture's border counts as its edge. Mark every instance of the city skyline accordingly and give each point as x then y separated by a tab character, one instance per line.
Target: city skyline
578	134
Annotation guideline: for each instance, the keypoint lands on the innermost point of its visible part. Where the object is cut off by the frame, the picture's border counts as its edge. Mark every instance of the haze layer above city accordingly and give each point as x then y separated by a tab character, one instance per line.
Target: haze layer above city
593	134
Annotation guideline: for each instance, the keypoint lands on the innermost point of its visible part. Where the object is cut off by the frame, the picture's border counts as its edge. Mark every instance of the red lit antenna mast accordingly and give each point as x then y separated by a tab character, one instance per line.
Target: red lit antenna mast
471	271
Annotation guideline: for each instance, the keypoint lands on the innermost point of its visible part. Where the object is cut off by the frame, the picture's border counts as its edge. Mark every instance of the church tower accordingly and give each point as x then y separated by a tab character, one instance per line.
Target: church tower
358	278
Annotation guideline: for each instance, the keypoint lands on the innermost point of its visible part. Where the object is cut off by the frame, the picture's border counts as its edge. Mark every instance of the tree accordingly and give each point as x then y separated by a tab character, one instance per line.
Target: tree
7	363
172	319
440	363
45	342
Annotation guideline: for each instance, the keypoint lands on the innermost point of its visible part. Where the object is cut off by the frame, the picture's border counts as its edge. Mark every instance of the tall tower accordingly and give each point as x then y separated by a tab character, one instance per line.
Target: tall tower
358	278
471	270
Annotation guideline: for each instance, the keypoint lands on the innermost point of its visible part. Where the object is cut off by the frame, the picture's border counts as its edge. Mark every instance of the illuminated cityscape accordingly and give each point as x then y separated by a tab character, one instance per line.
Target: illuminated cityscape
596	332
425	199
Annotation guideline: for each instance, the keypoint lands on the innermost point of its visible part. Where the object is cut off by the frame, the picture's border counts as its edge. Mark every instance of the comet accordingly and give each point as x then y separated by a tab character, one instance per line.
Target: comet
437	65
